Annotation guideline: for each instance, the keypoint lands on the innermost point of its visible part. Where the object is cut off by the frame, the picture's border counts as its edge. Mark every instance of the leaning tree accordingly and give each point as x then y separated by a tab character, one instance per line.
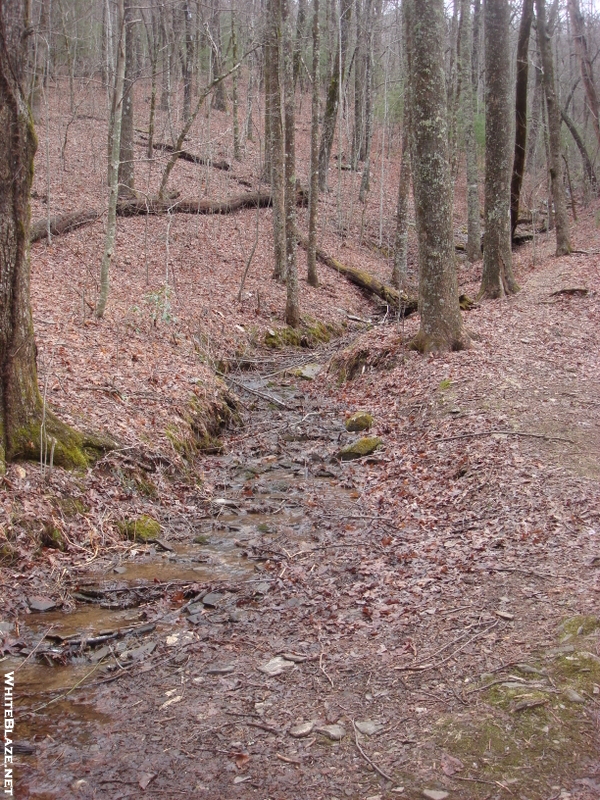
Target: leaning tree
27	428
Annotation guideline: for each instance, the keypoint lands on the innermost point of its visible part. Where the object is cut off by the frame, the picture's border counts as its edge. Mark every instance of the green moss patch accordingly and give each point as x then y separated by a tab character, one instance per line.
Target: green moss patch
580	625
201	422
359	421
141	529
309	334
531	730
360	448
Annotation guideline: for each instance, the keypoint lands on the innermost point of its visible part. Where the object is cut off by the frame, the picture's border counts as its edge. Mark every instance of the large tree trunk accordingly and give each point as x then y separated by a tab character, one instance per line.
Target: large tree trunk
520	113
497	278
441	322
27	428
561	220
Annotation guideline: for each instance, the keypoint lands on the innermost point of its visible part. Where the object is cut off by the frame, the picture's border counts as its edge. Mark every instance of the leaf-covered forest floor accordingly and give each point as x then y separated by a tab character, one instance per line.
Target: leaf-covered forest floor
433	607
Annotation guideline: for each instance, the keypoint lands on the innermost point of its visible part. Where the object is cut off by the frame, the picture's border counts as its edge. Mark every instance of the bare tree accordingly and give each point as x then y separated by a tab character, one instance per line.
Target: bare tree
497	277
469	90
311	253
585	62
561	220
520	112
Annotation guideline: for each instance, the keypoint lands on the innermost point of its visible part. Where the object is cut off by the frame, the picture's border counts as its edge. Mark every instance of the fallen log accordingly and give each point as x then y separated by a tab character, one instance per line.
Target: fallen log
136	207
62	223
398	300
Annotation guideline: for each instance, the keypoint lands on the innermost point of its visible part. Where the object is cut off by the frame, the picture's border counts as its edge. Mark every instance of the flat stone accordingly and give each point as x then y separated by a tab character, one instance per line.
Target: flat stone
573	696
41	604
195	608
212	599
275	666
368	727
434	794
309	371
299	731
220	669
334	732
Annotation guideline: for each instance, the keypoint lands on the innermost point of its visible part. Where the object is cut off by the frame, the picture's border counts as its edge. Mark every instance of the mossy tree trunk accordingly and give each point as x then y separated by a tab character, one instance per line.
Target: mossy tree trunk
497	278
441	322
27	429
561	219
126	148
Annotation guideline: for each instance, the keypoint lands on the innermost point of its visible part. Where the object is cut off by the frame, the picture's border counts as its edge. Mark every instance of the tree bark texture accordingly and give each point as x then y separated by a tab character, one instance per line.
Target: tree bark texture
468	95
520	112
497	277
441	322
561	220
27	428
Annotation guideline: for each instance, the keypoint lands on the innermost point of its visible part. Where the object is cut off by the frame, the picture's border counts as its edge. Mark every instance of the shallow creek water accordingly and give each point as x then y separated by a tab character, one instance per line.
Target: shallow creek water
260	500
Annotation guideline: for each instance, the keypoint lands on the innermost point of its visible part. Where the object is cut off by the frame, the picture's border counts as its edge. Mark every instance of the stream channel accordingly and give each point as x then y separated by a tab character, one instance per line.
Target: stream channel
274	487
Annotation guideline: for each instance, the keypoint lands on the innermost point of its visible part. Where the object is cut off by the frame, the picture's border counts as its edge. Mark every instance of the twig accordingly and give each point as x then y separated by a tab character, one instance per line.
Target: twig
423	667
25	660
367	759
493	431
263	395
322	668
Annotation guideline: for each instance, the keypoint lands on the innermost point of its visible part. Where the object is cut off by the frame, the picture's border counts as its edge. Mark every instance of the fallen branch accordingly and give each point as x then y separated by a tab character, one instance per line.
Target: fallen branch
366	757
185	155
405	304
263	395
493	432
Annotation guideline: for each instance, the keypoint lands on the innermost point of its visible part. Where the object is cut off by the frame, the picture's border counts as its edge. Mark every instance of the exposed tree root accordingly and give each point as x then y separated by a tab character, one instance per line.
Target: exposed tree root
398	300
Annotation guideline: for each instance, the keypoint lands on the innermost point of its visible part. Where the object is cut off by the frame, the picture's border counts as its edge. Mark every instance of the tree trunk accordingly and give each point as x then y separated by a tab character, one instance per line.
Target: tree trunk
497	277
313	278
113	169
441	322
561	220
126	151
520	113
292	307
585	62
333	93
219	98
276	137
468	93
188	60
588	167
27	428
237	150
400	268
